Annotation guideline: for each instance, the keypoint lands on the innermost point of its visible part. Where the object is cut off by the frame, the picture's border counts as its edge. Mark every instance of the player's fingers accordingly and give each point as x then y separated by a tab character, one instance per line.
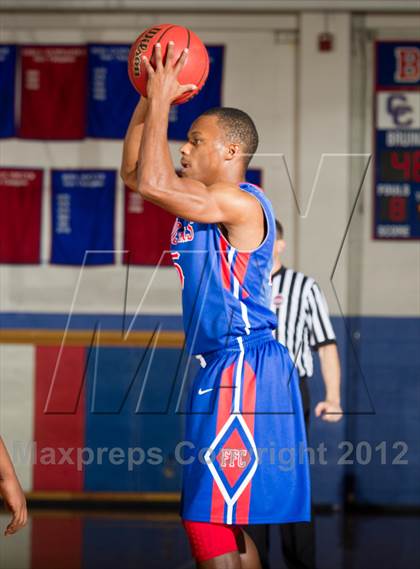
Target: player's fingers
158	56
22	522
19	520
181	61
21	517
12	527
148	66
170	54
186	88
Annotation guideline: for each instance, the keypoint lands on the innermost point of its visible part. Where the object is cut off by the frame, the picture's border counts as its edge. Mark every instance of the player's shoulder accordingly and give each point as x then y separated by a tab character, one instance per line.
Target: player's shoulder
233	195
225	187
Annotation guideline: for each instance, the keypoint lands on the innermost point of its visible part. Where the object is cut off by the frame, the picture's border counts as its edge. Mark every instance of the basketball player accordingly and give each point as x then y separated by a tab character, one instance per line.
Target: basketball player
245	409
11	492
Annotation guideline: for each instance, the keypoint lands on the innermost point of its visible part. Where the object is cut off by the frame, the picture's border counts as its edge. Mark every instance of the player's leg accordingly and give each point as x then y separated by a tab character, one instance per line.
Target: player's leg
259	533
218	546
227	561
213	546
245	558
248	552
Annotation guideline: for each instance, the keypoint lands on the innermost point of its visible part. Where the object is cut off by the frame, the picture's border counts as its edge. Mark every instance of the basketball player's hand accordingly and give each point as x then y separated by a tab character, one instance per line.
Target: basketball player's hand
329	411
15	502
163	81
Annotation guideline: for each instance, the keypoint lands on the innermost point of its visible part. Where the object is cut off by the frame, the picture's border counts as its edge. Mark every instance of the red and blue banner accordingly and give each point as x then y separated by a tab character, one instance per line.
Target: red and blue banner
182	116
111	97
69	92
7	90
53	92
20	215
397	140
82	208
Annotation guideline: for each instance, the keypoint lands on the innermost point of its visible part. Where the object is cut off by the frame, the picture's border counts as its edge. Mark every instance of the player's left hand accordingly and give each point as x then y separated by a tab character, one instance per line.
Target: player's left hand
329	411
163	81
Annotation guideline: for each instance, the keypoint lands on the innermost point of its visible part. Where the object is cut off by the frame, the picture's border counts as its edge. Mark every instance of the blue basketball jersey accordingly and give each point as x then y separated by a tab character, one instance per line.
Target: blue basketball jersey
244	410
225	292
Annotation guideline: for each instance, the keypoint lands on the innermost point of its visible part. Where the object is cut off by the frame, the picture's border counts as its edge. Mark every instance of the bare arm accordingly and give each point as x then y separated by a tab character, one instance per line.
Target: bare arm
330	409
11	492
132	143
157	179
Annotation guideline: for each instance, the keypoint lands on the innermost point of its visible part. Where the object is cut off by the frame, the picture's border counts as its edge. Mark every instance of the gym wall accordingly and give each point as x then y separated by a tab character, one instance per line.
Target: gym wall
314	112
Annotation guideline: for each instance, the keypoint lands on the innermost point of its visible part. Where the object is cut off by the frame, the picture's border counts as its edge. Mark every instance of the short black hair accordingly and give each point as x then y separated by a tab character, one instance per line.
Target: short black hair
279	230
239	128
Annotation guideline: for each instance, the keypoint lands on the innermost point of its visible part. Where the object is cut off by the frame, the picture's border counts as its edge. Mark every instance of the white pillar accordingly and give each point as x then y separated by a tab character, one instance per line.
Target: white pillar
323	129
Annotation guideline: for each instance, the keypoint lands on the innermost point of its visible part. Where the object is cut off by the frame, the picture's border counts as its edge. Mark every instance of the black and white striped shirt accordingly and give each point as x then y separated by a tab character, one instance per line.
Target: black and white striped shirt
303	323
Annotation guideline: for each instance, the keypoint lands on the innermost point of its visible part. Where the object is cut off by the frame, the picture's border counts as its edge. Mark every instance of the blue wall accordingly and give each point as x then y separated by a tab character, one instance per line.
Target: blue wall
380	360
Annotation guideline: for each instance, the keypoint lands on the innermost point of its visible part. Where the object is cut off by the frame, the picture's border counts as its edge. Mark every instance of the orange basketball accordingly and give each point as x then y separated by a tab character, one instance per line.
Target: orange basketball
195	70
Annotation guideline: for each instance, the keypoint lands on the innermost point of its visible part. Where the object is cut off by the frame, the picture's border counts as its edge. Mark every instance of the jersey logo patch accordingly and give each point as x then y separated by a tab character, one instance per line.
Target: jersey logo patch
203	391
175	257
234	458
182	232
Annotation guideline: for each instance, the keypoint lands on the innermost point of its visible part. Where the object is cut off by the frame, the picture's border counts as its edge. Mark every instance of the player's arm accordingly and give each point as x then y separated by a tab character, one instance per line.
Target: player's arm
11	492
132	141
157	179
186	198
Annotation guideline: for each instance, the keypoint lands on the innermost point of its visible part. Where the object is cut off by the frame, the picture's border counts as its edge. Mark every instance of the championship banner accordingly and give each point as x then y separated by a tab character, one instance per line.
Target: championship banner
53	105
111	97
7	90
20	215
182	116
147	231
83	217
397	140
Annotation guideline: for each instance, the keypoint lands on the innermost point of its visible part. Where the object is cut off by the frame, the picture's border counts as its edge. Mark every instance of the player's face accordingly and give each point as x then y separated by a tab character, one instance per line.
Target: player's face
203	155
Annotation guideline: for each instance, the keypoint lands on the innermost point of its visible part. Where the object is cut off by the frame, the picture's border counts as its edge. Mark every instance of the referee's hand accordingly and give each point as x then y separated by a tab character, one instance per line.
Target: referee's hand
329	411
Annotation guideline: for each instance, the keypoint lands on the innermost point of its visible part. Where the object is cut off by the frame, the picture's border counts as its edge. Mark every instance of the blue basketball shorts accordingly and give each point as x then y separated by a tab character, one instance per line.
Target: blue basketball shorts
244	454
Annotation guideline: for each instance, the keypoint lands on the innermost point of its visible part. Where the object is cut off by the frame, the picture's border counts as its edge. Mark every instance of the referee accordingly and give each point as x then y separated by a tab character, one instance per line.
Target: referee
303	325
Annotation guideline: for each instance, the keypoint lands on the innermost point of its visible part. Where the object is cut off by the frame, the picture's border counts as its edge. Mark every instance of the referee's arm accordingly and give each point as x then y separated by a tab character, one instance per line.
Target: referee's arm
322	339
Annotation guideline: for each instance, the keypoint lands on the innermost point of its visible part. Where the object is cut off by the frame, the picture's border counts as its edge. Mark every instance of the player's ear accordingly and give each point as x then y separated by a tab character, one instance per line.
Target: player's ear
232	150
